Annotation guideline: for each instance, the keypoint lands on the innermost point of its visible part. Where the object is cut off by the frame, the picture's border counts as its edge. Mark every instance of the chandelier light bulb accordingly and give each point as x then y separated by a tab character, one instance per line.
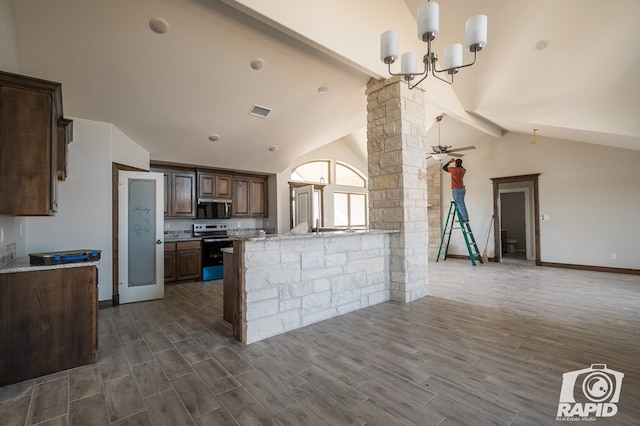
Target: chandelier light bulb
476	33
389	47
409	63
453	56
428	21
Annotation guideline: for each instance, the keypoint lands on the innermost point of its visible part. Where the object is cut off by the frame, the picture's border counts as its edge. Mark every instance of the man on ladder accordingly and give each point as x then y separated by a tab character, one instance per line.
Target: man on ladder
458	211
458	190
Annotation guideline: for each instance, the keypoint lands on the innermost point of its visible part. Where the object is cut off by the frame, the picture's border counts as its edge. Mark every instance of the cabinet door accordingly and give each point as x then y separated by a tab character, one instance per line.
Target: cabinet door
169	262
65	135
184	194
28	153
223	186
240	205
206	185
188	264
167	194
258	198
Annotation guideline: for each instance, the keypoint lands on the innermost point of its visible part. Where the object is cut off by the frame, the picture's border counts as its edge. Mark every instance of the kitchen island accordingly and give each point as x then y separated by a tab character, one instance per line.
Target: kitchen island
48	318
282	282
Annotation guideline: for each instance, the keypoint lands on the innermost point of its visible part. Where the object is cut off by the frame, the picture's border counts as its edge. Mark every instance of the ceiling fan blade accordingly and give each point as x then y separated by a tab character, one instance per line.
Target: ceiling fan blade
429	157
455	155
436	149
465	148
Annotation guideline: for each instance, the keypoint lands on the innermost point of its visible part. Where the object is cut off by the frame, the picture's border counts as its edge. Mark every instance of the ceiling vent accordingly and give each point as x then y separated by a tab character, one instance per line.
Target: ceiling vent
260	111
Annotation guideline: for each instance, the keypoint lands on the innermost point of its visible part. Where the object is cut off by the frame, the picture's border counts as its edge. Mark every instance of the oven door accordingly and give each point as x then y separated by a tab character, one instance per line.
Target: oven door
212	255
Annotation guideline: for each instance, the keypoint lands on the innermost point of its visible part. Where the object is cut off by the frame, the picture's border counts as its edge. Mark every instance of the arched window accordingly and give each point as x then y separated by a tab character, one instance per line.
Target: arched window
340	193
313	171
348	176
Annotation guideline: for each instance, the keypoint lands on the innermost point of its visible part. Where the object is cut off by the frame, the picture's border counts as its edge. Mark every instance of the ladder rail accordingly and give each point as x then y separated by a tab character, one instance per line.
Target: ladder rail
467	233
448	230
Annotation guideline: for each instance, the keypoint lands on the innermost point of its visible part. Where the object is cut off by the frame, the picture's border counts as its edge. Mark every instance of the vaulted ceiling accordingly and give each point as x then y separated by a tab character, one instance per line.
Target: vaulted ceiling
170	92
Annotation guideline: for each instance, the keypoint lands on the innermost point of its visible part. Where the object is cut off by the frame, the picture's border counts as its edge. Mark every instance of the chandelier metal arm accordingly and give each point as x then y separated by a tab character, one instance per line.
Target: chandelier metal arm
412	75
454	69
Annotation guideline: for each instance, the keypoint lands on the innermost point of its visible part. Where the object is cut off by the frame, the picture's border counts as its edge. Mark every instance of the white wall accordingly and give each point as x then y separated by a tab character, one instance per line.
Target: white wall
83	220
590	192
8	38
10	225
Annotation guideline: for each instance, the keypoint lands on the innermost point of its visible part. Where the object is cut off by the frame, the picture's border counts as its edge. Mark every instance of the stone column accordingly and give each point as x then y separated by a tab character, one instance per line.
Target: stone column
396	146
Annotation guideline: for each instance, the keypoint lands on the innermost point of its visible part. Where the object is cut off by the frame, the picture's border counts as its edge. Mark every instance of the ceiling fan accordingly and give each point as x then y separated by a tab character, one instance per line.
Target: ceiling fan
440	151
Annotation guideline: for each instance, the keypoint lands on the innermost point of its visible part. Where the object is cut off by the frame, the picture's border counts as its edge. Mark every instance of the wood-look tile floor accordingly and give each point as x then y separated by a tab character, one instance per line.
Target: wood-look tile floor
487	346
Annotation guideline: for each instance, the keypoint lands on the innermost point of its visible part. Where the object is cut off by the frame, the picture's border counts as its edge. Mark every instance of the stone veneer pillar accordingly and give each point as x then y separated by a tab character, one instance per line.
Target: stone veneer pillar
396	146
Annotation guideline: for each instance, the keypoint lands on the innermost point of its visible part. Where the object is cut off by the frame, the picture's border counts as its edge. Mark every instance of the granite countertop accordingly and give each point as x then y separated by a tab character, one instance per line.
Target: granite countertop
180	239
21	264
325	234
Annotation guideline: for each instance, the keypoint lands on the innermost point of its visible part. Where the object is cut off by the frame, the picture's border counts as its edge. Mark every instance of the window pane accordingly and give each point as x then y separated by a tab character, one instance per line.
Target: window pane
358	210
341	209
315	171
347	176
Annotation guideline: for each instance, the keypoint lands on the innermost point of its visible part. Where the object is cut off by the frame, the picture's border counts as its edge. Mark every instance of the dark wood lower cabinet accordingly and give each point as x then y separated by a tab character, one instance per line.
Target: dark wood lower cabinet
231	292
182	261
48	321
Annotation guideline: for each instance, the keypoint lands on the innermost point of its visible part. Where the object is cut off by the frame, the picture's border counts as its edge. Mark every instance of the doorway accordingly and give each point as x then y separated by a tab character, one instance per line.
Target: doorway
516	218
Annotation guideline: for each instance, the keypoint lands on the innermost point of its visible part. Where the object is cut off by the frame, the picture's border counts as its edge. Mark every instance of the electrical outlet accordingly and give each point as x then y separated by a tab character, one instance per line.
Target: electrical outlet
614	256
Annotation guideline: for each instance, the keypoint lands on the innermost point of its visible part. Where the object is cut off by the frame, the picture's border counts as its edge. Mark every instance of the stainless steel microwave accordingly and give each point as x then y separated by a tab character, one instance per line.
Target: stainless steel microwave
214	209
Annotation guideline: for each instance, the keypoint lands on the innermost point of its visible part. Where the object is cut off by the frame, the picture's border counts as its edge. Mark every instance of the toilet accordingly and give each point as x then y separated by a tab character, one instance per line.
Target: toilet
511	245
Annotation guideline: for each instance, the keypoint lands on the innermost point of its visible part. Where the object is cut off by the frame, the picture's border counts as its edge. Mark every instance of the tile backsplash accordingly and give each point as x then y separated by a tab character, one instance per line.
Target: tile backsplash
7	253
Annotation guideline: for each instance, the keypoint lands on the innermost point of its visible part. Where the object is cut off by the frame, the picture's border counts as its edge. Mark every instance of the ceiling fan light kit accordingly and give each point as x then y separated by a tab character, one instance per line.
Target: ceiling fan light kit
440	156
428	29
440	152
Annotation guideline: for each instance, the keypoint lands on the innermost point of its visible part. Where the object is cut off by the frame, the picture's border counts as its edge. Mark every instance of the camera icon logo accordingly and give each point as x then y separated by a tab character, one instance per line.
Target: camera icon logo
592	391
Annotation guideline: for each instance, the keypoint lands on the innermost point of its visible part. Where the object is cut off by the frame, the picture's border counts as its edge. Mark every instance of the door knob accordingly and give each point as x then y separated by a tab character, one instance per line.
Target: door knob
158	241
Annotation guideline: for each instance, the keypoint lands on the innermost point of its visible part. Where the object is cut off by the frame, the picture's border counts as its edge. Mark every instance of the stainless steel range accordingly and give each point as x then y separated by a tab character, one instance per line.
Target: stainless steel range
214	239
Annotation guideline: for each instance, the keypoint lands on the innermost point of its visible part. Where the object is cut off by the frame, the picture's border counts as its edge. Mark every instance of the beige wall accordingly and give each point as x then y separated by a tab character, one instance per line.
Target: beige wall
590	192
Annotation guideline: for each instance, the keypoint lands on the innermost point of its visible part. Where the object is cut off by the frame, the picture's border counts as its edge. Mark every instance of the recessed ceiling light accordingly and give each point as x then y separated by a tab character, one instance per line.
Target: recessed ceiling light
273	148
214	137
158	25
542	44
257	64
323	89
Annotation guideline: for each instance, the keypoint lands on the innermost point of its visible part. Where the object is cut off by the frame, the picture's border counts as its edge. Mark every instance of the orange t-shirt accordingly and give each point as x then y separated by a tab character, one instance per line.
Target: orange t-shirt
457	174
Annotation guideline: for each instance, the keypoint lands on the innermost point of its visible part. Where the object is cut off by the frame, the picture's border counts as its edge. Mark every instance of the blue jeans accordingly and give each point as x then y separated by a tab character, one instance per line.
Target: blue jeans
458	197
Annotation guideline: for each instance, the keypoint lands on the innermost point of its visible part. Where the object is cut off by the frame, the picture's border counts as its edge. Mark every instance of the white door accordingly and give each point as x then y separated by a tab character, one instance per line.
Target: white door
304	207
140	236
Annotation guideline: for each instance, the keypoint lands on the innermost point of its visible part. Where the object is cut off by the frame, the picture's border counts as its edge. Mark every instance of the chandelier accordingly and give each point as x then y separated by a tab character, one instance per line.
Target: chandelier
428	29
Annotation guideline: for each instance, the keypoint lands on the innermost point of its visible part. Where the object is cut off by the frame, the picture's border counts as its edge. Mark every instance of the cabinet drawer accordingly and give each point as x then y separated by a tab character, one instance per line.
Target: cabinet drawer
169	247
188	245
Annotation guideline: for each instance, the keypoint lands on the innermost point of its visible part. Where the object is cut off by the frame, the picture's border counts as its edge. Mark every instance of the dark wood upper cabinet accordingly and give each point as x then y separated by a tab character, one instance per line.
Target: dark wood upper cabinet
213	185
31	128
249	196
65	136
184	185
240	205
183	198
258	193
179	192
